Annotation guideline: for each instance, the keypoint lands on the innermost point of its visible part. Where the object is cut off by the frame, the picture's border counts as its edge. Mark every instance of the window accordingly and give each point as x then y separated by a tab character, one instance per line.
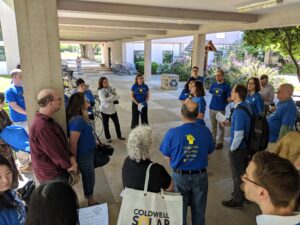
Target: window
1	36
167	56
138	56
220	35
2	54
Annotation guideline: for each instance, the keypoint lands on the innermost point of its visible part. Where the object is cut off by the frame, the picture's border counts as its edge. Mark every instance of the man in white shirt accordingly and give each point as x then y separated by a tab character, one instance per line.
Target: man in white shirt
273	183
267	91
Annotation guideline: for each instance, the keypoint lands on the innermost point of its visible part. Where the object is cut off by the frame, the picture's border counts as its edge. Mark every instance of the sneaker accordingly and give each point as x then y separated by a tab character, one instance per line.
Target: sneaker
26	169
122	138
232	204
219	146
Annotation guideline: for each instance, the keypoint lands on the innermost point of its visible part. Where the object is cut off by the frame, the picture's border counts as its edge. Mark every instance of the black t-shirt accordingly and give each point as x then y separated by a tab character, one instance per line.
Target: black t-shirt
134	174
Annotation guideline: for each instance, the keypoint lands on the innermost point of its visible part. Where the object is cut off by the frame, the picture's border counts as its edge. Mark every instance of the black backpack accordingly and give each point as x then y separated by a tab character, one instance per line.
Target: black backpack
258	137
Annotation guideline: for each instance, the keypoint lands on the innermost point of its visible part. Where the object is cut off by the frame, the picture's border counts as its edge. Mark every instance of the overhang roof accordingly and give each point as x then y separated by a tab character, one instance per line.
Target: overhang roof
109	20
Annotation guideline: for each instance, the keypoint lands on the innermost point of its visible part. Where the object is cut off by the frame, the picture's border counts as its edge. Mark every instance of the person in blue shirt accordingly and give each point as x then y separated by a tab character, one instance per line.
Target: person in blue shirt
239	153
82	88
282	120
140	96
220	92
82	143
14	96
197	96
254	98
186	148
12	209
185	93
195	71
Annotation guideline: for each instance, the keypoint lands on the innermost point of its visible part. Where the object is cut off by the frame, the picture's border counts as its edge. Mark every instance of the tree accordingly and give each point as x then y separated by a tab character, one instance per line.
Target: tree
285	40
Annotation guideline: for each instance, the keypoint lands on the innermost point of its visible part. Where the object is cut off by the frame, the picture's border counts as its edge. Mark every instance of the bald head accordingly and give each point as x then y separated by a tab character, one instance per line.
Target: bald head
45	96
189	110
285	92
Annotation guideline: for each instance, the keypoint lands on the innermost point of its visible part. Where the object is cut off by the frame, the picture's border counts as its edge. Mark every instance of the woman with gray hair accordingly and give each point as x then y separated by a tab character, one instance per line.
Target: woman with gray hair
136	164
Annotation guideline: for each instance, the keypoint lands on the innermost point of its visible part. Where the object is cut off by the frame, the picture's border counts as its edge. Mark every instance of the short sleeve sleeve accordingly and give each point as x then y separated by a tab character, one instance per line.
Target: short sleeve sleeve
228	91
10	96
163	176
76	124
166	144
133	88
147	88
202	106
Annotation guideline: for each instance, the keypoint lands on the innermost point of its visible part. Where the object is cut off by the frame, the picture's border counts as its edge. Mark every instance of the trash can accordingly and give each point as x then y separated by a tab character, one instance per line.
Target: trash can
169	81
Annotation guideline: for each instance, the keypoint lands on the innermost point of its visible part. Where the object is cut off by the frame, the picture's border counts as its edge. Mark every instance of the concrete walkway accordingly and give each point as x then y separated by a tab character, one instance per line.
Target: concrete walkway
164	113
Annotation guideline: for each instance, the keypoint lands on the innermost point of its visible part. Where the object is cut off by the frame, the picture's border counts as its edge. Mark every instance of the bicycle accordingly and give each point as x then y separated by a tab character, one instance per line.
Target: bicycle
97	117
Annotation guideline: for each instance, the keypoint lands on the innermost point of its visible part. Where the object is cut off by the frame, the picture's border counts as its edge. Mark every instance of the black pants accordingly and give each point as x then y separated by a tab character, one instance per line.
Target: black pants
115	119
136	113
239	160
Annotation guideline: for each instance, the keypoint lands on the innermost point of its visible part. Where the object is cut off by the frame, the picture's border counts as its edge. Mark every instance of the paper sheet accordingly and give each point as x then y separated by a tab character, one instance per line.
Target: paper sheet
140	107
94	215
220	117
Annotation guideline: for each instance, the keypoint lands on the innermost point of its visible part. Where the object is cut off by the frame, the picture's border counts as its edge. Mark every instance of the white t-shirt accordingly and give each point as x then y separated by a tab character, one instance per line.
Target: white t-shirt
278	220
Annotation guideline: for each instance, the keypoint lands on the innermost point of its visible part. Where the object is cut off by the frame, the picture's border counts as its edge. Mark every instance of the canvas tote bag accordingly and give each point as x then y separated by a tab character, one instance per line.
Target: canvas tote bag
148	208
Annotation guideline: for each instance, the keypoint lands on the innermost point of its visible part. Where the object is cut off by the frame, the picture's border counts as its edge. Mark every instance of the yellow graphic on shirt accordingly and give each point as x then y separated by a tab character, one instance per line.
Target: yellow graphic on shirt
143	220
190	139
217	91
141	90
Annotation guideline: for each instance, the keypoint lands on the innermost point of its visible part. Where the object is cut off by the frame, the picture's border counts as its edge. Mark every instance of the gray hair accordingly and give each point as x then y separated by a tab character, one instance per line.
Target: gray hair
15	72
139	143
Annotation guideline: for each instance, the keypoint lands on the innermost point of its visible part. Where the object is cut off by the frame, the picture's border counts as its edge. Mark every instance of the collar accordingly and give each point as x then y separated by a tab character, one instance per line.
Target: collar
43	116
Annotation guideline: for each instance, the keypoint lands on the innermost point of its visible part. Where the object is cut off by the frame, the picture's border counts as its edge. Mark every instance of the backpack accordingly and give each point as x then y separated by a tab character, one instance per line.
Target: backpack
258	137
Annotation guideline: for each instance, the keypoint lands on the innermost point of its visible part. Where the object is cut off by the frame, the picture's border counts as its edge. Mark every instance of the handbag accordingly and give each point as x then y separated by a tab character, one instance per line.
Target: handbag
143	207
116	102
105	149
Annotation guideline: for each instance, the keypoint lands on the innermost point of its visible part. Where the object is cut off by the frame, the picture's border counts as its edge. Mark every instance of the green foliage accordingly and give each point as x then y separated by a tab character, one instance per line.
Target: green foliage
182	69
238	72
285	40
167	56
69	48
164	68
140	67
288	69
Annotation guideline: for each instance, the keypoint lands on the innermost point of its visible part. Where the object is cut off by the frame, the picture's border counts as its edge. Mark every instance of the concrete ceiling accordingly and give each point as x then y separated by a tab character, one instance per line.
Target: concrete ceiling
108	20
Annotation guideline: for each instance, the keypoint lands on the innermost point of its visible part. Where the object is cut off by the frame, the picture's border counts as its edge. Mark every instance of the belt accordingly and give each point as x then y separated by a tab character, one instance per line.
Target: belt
190	172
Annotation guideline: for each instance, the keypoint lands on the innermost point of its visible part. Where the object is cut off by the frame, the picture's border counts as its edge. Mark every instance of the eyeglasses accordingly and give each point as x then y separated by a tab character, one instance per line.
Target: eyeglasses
249	180
57	99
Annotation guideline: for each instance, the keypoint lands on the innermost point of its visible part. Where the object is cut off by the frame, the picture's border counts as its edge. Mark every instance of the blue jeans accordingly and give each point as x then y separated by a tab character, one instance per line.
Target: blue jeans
194	192
87	170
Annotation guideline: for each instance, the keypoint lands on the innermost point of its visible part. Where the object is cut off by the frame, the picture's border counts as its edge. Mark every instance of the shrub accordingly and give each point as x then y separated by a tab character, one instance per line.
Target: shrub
288	69
140	67
164	68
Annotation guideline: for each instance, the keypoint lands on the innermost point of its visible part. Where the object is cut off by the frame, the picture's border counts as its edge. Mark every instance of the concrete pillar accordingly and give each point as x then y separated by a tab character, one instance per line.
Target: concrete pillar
104	51
147	60
199	52
10	39
37	26
124	59
130	52
117	52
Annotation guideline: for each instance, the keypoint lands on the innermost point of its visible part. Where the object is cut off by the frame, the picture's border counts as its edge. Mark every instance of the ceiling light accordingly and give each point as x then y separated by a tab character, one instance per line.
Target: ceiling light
259	5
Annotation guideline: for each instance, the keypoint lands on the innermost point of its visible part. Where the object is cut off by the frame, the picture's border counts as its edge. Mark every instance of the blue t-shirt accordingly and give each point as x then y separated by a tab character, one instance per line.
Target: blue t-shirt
14	216
256	102
15	94
220	94
201	108
86	142
140	92
285	114
240	121
187	146
184	95
89	97
200	78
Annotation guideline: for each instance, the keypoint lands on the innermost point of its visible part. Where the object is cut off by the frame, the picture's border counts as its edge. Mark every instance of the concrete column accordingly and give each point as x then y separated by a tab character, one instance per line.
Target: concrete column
129	52
147	60
37	27
199	52
10	39
104	51
124	52
117	52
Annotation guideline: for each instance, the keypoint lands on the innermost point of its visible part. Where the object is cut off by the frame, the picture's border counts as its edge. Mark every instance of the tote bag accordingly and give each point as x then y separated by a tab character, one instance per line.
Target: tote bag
147	208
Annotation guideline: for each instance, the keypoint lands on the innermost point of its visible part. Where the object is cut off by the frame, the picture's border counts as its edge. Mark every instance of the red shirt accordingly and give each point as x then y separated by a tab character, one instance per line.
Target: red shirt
48	148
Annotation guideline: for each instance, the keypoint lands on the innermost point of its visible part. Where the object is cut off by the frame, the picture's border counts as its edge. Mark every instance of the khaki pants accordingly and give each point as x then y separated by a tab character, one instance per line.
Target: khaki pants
215	125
